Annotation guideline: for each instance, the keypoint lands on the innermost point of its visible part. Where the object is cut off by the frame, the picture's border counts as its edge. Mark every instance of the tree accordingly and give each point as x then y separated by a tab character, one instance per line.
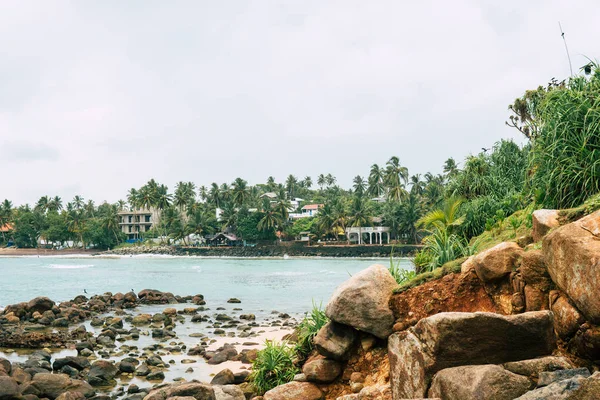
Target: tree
185	192
307	182
240	192
360	214
321	181
395	178
450	167
417	186
291	184
360	185
446	218
376	187
330	180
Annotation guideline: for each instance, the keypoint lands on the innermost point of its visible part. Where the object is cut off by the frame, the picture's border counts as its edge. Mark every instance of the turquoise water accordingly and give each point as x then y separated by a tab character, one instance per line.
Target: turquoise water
270	284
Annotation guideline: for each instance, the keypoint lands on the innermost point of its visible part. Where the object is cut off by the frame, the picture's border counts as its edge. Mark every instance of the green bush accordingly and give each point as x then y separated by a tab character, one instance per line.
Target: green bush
274	366
308	329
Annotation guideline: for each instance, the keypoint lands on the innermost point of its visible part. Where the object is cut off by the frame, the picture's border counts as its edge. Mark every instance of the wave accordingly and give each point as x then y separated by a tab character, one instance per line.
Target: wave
65	266
289	273
198	268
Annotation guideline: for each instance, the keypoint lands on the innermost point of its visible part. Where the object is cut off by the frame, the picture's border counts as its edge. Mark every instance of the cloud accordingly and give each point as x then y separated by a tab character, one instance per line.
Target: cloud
107	95
27	152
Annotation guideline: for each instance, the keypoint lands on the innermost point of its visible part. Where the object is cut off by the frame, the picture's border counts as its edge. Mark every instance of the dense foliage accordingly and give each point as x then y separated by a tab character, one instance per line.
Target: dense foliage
273	366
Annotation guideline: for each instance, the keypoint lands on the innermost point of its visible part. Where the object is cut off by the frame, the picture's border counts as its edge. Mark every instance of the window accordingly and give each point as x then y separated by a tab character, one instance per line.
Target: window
129	227
147	218
130	219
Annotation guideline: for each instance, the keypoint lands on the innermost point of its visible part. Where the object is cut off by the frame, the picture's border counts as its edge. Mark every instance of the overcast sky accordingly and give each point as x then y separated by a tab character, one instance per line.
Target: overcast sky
97	97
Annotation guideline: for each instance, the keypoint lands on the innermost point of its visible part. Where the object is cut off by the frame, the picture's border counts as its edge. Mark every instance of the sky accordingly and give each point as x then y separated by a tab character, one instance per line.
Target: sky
97	97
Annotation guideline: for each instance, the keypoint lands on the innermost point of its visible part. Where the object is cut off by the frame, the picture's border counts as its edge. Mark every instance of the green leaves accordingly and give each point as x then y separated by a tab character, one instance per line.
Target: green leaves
274	366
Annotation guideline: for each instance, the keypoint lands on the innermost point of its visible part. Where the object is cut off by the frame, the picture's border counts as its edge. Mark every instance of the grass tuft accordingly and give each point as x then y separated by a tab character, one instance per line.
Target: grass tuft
274	366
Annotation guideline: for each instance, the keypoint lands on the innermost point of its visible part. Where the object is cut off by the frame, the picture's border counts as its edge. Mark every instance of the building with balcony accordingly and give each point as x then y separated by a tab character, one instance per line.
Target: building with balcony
134	223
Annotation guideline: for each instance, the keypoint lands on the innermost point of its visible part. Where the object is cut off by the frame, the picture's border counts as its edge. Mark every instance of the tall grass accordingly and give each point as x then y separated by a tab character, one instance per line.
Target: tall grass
400	275
308	329
274	366
565	157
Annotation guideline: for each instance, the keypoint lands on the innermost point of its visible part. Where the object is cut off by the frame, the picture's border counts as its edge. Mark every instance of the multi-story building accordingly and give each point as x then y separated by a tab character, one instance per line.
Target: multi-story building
133	223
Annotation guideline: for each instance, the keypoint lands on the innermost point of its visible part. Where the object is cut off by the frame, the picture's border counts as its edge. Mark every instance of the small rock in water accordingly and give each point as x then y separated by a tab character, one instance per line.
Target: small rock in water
234	300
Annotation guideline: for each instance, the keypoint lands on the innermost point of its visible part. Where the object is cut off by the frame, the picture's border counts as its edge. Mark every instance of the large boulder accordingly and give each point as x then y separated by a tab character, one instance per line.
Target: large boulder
102	373
449	340
53	385
497	262
321	370
572	256
543	221
561	390
40	304
533	270
199	391
334	340
478	382
589	389
362	302
228	392
9	389
223	377
294	391
567	318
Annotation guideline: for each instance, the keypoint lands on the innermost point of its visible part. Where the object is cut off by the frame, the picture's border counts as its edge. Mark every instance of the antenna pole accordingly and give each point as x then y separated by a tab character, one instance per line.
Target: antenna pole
562	34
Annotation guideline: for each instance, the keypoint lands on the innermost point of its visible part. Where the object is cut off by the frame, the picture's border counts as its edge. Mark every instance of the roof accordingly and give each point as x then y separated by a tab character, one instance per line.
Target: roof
228	236
6	228
312	206
270	195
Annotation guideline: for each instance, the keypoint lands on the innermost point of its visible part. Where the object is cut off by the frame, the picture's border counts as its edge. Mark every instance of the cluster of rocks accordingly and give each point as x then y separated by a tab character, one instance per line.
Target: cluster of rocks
269	251
542	340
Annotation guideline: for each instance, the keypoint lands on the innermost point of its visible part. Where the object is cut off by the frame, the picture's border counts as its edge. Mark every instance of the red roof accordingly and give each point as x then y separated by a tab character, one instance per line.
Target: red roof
6	228
312	206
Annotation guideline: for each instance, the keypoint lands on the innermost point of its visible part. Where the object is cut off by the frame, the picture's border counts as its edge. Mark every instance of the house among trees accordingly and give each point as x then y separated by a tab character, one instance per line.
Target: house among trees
224	239
134	223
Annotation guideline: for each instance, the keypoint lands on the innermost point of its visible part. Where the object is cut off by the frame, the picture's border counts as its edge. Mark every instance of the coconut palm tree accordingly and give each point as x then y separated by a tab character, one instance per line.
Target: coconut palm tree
239	192
78	202
417	186
307	182
291	185
42	204
450	168
321	181
330	180
360	214
360	185
395	178
376	187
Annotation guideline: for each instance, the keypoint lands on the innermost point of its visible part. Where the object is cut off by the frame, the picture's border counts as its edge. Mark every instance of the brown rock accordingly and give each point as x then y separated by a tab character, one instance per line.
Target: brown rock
453	339
533	270
362	302
478	382
533	367
53	385
543	221
497	262
334	340
9	389
199	391
40	304
223	377
382	392
567	318
321	370
535	299
294	391
571	255
589	389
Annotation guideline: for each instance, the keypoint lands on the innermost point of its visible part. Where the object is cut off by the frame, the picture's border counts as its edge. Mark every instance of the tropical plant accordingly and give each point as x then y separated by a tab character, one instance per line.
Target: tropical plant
273	366
308	329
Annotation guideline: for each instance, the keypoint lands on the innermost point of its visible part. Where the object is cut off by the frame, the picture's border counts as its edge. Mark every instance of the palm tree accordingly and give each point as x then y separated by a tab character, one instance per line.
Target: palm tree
110	220
42	204
270	220
78	202
271	184
445	218
240	193
229	217
215	196
90	208
321	181
395	179
376	187
291	185
410	213
282	206
203	193
55	204
184	192
6	215
417	186
450	167
359	185
307	182
360	214
330	180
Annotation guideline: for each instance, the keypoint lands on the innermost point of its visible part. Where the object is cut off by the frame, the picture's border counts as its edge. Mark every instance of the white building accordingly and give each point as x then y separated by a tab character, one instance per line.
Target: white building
370	234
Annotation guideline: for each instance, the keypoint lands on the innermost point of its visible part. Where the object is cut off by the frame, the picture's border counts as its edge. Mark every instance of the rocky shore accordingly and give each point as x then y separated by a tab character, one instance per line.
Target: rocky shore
519	321
374	251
